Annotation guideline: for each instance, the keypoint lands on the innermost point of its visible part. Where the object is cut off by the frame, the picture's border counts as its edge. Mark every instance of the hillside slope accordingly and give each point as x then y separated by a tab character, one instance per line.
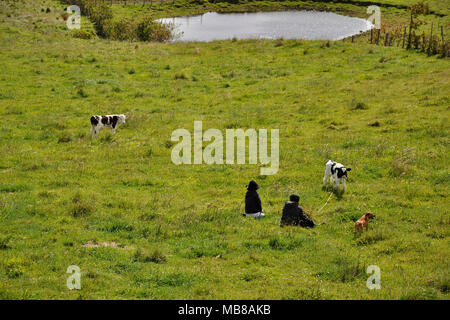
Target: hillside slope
140	227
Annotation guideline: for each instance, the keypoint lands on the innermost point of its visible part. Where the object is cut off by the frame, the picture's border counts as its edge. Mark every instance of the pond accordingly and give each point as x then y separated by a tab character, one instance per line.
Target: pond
308	25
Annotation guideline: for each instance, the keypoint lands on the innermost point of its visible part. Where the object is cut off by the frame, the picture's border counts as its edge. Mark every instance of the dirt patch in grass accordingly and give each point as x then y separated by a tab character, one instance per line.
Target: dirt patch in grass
95	244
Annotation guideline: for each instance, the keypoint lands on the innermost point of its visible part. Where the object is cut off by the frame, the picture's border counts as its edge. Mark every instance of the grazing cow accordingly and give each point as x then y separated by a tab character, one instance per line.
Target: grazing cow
109	121
337	172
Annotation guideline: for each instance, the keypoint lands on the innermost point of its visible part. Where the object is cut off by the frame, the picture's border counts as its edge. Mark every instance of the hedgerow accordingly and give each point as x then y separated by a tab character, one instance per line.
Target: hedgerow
101	15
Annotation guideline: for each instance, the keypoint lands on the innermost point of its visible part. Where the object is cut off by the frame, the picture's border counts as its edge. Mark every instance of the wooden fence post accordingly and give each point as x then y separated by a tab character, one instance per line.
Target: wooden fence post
386	39
378	36
404	36
431	40
424	42
371	35
409	35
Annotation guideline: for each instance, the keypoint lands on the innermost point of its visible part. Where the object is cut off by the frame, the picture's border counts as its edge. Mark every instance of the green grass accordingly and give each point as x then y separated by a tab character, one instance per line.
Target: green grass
178	229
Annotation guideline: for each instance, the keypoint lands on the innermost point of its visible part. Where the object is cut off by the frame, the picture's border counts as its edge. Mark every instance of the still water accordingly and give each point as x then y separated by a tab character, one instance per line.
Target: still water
308	25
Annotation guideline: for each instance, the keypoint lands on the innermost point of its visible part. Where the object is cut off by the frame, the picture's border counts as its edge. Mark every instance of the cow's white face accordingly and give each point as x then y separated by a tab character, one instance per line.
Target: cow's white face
122	118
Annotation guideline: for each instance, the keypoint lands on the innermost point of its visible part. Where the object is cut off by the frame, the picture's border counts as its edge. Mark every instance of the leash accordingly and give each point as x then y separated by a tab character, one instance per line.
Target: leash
331	193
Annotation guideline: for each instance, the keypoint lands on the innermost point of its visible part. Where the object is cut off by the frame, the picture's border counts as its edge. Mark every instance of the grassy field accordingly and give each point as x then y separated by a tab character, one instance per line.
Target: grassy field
140	227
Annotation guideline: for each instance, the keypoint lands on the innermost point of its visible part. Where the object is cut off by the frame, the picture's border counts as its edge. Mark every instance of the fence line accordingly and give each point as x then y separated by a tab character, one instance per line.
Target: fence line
406	35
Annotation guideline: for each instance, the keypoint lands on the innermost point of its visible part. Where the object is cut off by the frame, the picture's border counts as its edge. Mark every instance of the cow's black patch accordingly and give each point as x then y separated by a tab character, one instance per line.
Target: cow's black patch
114	121
105	120
94	121
341	172
332	168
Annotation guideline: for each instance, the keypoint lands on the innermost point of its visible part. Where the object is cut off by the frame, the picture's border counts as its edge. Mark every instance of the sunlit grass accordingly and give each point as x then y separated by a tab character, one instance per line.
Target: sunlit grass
178	229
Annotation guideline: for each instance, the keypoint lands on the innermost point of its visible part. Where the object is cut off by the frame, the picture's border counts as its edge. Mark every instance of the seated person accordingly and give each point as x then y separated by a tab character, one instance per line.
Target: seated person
252	201
293	214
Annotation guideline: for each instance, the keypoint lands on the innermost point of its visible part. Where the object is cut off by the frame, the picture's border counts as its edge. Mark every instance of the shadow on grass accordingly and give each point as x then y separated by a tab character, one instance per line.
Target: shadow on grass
337	192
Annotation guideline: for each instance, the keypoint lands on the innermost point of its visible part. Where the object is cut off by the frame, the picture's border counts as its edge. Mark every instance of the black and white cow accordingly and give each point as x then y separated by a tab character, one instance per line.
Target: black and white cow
109	121
337	172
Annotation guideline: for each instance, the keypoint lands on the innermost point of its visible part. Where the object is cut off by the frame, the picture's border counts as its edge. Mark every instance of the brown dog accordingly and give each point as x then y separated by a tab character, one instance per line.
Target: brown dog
363	222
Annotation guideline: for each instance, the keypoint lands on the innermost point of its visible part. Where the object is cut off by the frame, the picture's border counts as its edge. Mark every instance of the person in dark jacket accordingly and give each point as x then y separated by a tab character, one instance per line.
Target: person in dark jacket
293	214
253	206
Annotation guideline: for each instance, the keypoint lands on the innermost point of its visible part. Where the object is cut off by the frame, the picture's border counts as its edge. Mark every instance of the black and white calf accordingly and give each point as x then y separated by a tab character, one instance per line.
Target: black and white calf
109	121
337	172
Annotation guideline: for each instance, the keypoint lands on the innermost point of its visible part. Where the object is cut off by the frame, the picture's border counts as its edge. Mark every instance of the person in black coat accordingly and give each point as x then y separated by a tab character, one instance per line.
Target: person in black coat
293	214
253	206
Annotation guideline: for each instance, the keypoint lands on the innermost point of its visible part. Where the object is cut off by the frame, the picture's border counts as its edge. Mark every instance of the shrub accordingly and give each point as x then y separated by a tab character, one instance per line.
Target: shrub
99	14
83	34
149	30
420	8
123	29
